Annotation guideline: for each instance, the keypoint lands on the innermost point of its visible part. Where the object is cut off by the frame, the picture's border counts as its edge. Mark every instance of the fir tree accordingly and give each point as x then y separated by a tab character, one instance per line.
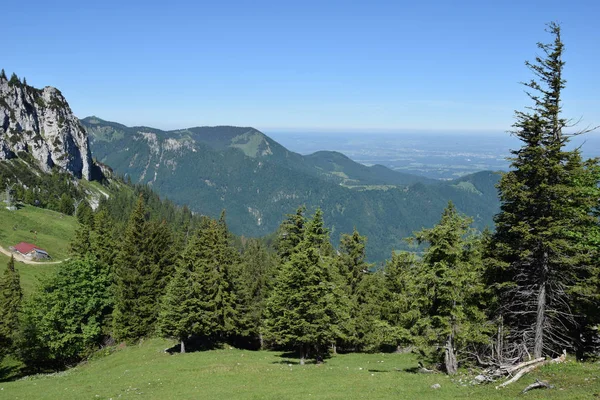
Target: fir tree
3	75
81	245
352	268
178	307
158	261
10	304
102	239
254	285
66	205
448	290
14	80
290	234
542	248
306	308
133	305
85	214
204	267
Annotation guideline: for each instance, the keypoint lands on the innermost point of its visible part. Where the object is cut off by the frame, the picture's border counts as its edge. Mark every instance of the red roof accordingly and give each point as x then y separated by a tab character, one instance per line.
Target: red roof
25	248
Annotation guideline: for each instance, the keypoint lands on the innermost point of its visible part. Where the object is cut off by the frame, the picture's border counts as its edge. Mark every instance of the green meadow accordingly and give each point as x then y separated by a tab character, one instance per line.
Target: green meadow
146	372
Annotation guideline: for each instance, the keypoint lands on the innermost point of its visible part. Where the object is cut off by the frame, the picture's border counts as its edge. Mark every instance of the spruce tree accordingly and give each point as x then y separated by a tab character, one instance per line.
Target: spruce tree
133	304
448	290
158	259
542	246
85	214
209	312
102	240
290	233
254	284
10	304
81	245
306	308
3	75
178	307
352	268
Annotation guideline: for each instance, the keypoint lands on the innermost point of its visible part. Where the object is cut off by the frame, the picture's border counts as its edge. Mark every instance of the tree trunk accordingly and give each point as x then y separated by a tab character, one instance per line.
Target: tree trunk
261	341
302	354
333	348
182	346
540	317
450	357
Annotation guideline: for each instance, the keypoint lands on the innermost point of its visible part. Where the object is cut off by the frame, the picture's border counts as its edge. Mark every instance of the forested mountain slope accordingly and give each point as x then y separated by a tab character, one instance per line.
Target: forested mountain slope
258	181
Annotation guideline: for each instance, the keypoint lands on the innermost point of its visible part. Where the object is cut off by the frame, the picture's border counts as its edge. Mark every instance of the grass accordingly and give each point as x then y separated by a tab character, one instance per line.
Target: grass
54	233
147	372
54	230
30	274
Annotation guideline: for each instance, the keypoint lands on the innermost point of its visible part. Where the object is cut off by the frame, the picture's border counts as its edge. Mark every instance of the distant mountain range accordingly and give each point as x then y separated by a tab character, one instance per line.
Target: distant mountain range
258	181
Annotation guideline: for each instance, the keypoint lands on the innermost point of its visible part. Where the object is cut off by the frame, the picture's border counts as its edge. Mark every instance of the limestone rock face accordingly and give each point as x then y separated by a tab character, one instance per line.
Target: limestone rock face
39	122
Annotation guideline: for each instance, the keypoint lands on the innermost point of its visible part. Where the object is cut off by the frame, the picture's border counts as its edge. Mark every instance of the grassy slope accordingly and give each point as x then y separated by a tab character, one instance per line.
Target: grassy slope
54	235
146	372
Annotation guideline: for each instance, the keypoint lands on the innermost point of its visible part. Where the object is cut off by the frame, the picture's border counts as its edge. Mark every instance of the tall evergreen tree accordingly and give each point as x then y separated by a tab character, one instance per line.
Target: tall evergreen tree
81	245
541	247
10	304
306	310
290	234
102	239
158	258
133	302
179	306
254	284
448	290
352	268
84	213
203	276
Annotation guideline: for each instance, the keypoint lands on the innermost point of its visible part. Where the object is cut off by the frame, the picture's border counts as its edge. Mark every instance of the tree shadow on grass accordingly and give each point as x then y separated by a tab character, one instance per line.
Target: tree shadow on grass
9	373
195	344
292	357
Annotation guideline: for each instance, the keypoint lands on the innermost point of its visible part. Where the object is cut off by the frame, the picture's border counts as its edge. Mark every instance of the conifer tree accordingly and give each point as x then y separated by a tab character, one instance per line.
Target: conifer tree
255	282
85	214
290	234
542	245
179	306
10	304
352	268
133	305
448	290
158	259
203	275
400	311
306	308
3	74
14	80
102	239
81	245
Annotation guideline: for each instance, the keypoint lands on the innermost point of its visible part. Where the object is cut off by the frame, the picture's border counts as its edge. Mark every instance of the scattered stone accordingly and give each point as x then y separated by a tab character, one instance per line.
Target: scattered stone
436	386
479	379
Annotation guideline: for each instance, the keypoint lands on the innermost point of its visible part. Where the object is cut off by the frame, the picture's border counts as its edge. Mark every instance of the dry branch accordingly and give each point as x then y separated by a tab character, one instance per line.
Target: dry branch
538	385
520	374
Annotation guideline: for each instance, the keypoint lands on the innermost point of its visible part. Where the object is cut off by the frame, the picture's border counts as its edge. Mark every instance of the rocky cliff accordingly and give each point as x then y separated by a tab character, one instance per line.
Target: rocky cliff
39	123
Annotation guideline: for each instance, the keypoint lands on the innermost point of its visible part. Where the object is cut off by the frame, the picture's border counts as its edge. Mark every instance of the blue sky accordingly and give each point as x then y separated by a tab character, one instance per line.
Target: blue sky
321	65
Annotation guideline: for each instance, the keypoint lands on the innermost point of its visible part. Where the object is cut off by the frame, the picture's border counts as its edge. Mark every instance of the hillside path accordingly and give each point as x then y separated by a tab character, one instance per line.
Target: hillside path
25	260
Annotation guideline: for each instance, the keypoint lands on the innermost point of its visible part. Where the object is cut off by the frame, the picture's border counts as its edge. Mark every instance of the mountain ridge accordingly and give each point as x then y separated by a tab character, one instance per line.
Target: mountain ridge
258	181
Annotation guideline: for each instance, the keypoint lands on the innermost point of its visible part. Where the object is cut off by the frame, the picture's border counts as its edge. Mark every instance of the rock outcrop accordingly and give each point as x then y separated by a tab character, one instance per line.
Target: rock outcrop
39	123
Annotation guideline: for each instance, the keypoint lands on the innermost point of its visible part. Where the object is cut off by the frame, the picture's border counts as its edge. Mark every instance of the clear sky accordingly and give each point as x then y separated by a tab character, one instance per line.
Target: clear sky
334	65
